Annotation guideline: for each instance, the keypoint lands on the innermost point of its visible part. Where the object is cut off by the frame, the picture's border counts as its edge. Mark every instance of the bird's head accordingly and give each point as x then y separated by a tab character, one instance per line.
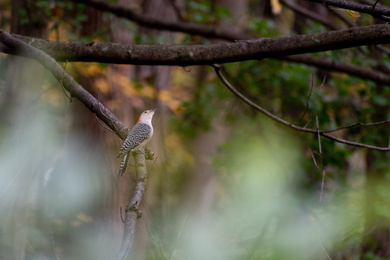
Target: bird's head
146	116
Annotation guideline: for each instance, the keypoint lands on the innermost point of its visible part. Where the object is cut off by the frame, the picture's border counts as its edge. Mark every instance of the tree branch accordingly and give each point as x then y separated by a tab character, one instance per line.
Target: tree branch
181	55
143	19
68	82
138	54
376	11
76	90
357	124
326	134
320	62
132	212
309	14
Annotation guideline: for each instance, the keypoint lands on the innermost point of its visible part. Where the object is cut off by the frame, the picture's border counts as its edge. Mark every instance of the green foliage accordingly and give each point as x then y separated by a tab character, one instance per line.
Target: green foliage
4	20
313	27
198	114
264	27
205	12
23	14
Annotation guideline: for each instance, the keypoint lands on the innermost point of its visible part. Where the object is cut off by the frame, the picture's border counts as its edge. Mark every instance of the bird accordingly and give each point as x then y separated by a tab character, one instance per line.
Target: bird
138	137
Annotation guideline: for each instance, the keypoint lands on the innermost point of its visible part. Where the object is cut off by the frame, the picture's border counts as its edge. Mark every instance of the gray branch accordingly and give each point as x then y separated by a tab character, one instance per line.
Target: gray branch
325	133
67	81
376	11
182	55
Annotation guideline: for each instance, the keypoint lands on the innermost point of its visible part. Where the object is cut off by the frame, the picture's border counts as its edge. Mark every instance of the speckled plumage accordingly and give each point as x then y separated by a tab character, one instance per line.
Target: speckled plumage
138	137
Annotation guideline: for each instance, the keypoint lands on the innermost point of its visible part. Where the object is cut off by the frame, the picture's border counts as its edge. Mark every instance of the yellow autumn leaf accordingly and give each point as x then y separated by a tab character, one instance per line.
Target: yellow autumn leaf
276	7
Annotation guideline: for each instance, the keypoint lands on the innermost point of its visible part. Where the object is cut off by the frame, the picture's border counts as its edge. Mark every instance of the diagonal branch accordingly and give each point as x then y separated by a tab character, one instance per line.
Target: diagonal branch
313	16
76	90
67	81
218	71
143	19
376	11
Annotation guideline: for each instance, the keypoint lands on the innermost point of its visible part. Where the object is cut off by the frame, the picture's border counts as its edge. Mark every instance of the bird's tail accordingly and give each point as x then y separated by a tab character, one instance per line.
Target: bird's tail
124	163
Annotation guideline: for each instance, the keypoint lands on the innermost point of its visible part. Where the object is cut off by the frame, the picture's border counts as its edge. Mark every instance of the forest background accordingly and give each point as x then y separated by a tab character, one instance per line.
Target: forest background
271	138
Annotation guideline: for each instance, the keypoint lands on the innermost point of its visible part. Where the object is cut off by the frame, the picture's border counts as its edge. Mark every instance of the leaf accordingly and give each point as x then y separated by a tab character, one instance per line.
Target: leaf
379	100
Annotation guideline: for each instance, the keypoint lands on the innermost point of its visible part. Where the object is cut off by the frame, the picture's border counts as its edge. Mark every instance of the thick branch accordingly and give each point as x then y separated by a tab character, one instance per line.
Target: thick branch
351	69
181	55
192	55
75	89
132	212
326	134
143	19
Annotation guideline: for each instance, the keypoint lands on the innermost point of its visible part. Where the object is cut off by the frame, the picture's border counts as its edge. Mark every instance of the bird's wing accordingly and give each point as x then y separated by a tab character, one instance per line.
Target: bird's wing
137	134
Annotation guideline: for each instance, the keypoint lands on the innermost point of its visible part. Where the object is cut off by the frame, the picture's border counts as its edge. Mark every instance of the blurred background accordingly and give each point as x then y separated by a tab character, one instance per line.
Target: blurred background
226	182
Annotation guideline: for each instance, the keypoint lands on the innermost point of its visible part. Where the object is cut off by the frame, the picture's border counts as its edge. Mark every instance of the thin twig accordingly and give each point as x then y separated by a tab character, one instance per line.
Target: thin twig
307	123
177	10
62	82
322	182
307	99
314	159
300	10
120	211
377	12
218	69
102	125
383	49
322	163
186	70
357	124
323	82
373	6
98	120
318	135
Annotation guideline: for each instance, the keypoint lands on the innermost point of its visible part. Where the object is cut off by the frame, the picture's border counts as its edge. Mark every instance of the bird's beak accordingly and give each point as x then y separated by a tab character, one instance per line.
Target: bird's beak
154	109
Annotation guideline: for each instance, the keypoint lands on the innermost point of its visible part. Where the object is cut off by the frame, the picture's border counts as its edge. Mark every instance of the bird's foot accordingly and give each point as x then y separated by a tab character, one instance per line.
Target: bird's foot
149	155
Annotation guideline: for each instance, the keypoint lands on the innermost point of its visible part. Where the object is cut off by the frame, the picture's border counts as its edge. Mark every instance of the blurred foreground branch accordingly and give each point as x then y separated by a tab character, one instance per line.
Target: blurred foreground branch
132	212
324	133
66	81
